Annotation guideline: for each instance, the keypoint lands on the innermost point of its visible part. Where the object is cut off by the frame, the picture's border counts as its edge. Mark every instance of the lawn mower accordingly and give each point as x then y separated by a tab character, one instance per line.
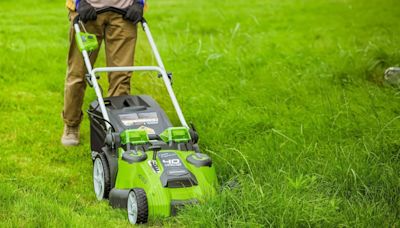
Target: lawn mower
141	162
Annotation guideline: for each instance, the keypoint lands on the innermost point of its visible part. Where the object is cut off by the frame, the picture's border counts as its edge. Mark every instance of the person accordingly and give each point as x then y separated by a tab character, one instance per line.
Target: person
119	35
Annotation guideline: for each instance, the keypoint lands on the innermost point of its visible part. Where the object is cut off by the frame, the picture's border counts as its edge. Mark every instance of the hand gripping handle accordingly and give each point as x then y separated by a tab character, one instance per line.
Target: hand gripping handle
108	9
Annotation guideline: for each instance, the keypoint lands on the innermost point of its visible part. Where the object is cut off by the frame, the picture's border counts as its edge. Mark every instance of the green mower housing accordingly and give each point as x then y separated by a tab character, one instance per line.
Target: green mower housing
146	165
165	200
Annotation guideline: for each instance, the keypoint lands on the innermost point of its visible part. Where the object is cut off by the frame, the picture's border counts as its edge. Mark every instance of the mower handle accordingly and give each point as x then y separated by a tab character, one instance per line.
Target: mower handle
160	67
108	9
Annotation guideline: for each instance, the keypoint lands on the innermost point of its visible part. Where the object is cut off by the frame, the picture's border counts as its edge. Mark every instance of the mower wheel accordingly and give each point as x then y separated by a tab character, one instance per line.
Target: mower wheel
137	206
101	177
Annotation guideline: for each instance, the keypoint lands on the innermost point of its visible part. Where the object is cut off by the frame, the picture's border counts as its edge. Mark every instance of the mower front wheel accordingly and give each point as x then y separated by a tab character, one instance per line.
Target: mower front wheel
101	177
137	206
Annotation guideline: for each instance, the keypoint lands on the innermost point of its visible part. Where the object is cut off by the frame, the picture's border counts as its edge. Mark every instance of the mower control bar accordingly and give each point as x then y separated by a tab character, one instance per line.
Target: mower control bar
104	10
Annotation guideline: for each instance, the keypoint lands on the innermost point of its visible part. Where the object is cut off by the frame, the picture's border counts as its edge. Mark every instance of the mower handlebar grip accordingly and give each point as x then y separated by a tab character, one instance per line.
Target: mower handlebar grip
108	9
111	9
104	10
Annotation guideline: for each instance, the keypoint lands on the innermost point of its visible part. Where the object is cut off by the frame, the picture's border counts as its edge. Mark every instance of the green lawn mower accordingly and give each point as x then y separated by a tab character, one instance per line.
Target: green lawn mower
141	162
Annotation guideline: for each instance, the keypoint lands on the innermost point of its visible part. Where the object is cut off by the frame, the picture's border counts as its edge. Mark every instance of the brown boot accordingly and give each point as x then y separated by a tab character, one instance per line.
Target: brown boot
70	136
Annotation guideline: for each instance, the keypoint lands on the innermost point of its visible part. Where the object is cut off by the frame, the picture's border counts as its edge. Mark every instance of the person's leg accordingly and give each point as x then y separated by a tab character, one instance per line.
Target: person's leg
120	42
75	83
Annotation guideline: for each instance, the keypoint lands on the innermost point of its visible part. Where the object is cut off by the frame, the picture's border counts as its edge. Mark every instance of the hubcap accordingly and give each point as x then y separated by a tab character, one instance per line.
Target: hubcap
132	207
98	178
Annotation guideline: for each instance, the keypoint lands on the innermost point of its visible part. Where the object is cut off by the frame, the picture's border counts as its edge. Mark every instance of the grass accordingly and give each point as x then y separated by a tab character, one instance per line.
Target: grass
287	96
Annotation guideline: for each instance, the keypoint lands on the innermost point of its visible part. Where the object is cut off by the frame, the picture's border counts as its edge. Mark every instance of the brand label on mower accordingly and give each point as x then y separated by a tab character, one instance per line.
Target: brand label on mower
141	118
170	160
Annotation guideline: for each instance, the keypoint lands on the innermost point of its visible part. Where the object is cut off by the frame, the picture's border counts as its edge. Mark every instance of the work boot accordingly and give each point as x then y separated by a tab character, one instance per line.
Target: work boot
70	136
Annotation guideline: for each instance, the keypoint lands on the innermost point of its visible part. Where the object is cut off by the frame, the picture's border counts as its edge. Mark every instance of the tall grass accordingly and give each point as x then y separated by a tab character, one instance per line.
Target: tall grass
287	96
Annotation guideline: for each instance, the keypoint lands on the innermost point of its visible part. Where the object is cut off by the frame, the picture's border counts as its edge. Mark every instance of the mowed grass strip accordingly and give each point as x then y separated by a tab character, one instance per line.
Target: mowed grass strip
287	96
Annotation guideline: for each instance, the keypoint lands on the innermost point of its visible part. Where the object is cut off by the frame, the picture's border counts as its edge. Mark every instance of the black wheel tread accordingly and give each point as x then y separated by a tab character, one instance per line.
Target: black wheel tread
106	170
143	210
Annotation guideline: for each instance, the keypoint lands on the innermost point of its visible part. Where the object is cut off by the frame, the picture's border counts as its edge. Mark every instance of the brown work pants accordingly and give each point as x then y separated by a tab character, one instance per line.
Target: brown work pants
120	39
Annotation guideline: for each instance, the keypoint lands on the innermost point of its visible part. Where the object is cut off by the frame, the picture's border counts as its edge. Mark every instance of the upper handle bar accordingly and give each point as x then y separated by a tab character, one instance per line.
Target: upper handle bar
108	9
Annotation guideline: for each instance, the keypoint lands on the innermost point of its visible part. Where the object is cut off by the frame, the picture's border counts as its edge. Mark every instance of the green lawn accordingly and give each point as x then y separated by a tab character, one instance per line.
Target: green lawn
287	96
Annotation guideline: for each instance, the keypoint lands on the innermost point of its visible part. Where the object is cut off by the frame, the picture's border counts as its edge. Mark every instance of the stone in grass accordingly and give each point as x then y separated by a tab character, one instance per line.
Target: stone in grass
392	75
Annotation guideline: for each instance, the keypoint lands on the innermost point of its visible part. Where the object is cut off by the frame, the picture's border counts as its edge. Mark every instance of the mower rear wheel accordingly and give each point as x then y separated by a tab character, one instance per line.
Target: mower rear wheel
137	206
101	177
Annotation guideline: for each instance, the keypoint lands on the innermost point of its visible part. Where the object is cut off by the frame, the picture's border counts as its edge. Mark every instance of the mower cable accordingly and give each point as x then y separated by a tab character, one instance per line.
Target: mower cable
101	118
